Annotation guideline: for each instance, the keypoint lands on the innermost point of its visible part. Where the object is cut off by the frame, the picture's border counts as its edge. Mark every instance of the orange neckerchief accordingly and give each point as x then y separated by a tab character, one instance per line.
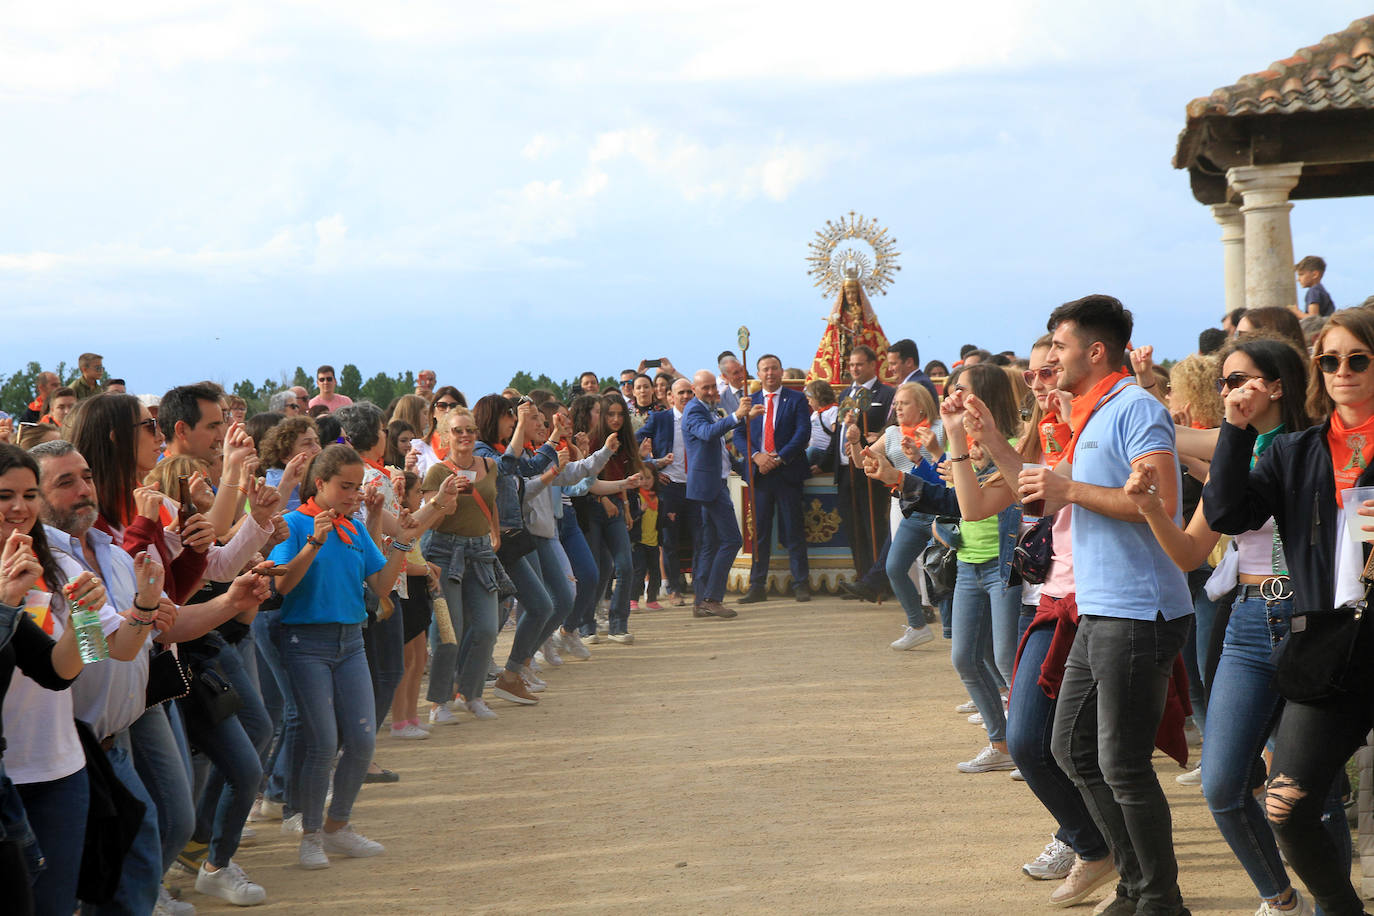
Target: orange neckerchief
36	405
342	526
1055	434
1352	448
1086	404
439	451
377	466
909	432
648	498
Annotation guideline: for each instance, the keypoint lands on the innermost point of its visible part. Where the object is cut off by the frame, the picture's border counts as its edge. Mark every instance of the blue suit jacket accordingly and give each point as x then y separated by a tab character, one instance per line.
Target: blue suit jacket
791	433
659	428
702	433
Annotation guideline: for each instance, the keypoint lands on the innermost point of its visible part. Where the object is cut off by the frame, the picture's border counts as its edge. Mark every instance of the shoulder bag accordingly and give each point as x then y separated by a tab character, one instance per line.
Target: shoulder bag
1317	660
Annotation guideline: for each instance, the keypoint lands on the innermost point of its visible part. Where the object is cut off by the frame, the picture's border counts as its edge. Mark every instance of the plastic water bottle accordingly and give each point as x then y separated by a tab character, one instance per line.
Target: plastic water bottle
90	636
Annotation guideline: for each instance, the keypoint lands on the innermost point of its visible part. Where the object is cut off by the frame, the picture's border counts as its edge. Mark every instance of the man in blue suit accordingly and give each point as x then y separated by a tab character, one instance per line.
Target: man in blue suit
707	467
776	448
676	519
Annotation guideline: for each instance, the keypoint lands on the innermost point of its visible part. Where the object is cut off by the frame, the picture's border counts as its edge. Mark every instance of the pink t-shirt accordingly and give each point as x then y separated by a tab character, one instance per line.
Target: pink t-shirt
334	403
1059	583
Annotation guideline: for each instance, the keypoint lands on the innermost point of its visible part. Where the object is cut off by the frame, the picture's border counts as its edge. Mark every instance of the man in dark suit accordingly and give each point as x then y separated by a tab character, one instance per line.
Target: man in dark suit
776	448
676	519
707	467
862	503
904	365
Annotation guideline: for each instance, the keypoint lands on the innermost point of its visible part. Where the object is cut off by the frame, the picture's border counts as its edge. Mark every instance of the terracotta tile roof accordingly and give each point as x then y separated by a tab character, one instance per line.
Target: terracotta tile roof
1337	73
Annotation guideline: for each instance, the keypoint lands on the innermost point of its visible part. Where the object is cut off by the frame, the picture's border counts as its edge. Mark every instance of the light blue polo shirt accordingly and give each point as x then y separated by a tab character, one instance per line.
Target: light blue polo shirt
332	590
1119	568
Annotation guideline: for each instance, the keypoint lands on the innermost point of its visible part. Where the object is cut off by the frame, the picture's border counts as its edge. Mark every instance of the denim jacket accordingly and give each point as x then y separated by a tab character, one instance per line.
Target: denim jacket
923	496
509	469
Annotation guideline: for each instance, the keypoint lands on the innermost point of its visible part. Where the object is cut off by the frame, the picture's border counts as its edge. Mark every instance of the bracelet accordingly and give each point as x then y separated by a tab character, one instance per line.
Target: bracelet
146	610
954	458
403	548
1148	387
138	621
314	543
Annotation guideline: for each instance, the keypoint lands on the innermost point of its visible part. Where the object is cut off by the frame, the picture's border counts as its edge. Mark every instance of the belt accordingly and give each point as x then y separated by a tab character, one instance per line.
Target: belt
1275	588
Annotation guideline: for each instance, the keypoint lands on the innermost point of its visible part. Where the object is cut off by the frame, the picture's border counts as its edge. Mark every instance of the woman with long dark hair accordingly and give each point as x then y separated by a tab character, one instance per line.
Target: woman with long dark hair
609	531
1299	481
434	448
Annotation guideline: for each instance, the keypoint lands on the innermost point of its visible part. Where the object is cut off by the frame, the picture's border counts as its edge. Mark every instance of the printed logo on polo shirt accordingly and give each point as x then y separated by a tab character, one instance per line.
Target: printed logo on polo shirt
1091	443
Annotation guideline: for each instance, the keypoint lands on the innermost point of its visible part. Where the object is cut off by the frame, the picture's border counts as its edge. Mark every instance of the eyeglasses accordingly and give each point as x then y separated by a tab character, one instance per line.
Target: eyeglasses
325	378
291	405
445	405
150	425
1044	373
1234	381
463	431
1330	363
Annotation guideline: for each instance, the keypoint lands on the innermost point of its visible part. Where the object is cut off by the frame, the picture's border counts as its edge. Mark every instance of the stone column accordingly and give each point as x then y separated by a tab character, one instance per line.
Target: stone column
1268	236
1232	223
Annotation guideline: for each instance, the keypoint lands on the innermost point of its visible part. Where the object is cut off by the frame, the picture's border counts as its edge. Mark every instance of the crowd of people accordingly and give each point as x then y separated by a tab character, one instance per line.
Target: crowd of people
206	617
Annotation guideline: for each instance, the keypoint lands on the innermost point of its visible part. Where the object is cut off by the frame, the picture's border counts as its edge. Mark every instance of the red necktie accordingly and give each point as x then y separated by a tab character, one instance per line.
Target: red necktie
768	424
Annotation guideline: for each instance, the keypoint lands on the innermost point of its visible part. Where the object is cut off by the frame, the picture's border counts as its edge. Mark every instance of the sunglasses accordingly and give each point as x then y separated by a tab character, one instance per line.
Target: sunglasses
1234	381
149	424
325	378
463	431
1330	363
1044	373
445	405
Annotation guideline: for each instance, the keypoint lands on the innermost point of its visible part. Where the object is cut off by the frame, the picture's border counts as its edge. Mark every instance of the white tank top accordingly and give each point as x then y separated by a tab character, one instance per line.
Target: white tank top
1260	552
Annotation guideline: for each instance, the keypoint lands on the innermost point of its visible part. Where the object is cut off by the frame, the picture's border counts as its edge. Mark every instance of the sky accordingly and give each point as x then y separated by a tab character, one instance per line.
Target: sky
232	189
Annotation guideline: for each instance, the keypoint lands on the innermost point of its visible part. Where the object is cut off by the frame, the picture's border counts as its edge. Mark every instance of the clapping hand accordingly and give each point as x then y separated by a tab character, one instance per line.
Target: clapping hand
19	569
1243	403
1143	489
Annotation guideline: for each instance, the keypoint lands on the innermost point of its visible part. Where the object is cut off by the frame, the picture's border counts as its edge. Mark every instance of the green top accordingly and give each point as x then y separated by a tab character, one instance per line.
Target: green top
978	540
84	389
468	520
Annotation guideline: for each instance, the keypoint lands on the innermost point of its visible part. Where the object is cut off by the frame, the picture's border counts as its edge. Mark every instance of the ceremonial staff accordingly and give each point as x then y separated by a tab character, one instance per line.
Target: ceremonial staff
742	339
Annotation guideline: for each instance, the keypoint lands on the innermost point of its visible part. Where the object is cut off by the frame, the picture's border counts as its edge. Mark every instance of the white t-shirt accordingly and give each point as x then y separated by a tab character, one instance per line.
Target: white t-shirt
42	741
820	422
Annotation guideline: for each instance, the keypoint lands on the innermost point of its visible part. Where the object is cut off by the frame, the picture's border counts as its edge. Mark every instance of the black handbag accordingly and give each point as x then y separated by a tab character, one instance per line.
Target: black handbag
169	678
1031	557
1315	661
940	561
515	543
212	697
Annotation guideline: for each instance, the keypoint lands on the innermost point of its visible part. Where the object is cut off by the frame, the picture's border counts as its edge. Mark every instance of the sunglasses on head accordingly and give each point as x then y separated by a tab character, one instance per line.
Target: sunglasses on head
1330	363
1044	373
1234	381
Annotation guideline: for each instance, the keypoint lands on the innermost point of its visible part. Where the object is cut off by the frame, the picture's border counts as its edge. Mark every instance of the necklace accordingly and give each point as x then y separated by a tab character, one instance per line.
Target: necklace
470	465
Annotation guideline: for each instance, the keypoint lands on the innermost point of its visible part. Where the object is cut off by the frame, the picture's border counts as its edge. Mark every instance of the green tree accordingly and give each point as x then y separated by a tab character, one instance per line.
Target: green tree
350	381
17	390
303	379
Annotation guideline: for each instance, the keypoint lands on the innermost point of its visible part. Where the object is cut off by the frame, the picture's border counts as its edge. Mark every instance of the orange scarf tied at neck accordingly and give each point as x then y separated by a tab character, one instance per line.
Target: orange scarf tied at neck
439	451
1055	435
342	527
1086	404
1352	448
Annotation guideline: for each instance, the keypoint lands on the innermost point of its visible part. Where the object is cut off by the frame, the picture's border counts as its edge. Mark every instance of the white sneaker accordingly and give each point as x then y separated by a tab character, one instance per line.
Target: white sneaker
592	640
548	654
348	842
312	851
624	639
1303	907
1194	778
264	810
292	826
966	708
425	726
167	905
572	644
440	715
976	719
480	709
413	732
1054	862
1016	775
533	681
231	884
912	637
988	759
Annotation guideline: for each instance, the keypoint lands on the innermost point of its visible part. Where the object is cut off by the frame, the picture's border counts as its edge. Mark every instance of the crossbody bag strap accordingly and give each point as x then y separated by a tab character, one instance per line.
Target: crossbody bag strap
477	497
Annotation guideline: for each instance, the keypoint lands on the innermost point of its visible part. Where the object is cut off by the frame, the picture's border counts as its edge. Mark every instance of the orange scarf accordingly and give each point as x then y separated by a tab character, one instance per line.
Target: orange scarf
1352	448
649	499
1055	434
439	451
342	527
36	405
377	466
1086	404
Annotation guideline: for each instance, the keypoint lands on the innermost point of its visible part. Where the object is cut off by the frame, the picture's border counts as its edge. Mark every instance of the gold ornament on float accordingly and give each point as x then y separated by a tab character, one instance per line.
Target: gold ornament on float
835	257
820	525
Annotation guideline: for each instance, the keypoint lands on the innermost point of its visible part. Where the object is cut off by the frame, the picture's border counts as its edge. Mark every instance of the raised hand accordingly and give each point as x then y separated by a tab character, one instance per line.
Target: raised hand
1142	360
199	534
7	430
149	575
19	569
263	501
1244	402
373	497
324	524
238	445
87	590
294	473
613	442
1143	488
646	448
634	481
248	591
978	419
148	501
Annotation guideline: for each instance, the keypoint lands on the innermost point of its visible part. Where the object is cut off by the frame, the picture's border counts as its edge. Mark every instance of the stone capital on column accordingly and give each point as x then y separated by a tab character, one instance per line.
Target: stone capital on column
1265	186
1268	237
1231	221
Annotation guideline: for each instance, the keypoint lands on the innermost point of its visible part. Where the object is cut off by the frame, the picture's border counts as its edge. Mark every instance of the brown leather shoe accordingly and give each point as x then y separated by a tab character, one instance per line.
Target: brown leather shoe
716	609
699	611
512	689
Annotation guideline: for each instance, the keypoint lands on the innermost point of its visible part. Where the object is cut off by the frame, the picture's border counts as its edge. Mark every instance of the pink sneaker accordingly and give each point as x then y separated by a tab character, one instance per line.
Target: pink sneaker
634	605
654	606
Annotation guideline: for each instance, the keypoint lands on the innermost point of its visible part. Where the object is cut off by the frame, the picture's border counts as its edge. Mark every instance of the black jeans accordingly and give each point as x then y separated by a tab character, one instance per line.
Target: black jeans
1110	703
1311	745
676	531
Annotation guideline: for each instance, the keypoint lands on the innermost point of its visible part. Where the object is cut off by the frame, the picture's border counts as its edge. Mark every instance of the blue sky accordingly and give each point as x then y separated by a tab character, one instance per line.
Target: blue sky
231	190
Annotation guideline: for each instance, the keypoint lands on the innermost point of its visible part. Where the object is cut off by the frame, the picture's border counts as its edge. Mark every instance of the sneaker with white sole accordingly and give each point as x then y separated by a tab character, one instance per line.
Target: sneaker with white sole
312	851
976	719
1017	775
1191	778
1055	861
966	708
548	654
413	732
987	760
572	644
532	680
229	883
348	842
167	905
1301	907
292	826
511	688
912	637
625	639
440	715
264	809
480	709
591	640
1082	880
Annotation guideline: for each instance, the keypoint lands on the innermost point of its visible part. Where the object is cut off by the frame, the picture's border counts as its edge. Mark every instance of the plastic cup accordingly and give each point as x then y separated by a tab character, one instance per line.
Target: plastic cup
1036	507
1352	499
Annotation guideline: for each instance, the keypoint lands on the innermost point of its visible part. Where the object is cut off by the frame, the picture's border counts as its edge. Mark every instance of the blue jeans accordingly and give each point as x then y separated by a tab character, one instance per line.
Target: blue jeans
556	584
1199	642
468	581
611	535
334	694
720	541
537	607
57	814
141	876
384	641
234	747
1030	725
984	630
584	570
163	762
1112	697
910	538
286	721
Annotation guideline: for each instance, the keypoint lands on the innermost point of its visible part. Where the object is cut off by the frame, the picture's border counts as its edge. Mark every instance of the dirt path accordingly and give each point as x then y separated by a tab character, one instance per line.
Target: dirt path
786	761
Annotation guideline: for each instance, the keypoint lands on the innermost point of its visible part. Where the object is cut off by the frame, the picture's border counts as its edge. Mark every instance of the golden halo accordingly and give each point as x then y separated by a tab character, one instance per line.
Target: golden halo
835	255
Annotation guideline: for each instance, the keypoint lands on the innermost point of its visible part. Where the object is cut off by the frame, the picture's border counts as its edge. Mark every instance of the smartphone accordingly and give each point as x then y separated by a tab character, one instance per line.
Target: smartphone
653	364
187	506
